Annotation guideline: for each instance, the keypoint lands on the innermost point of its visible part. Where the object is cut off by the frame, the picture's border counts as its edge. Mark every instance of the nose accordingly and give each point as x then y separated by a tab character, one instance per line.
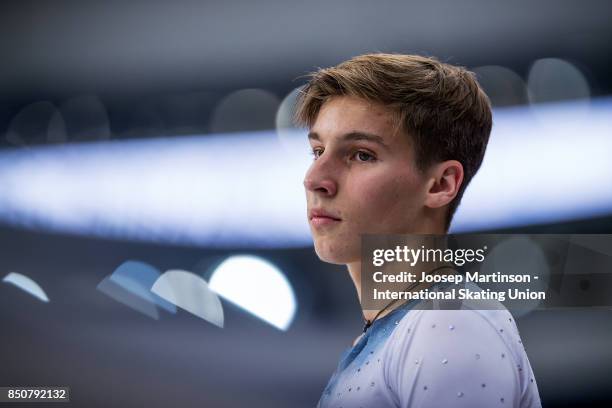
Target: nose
319	179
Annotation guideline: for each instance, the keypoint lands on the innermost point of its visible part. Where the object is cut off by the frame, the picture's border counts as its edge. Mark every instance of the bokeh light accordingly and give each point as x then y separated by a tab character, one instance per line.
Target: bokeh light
258	287
191	293
26	284
245	110
503	86
131	285
292	138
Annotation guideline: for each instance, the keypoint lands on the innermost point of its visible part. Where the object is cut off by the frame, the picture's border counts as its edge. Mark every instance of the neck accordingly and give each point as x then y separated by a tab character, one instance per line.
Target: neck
354	270
431	222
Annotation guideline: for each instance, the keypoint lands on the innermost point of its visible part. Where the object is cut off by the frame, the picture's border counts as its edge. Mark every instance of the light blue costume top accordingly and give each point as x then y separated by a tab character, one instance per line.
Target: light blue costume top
422	357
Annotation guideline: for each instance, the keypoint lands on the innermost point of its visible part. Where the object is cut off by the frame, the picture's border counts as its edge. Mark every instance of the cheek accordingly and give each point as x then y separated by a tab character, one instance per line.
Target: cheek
388	199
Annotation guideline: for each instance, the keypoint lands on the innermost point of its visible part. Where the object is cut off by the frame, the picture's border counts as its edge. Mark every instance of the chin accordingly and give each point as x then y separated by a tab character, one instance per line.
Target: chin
335	253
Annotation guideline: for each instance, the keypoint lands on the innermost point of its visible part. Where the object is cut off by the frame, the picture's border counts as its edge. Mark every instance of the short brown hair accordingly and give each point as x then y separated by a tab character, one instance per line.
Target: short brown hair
440	106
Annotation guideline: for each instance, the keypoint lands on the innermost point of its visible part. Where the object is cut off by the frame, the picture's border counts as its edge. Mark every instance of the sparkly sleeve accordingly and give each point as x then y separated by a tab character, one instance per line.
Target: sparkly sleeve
454	358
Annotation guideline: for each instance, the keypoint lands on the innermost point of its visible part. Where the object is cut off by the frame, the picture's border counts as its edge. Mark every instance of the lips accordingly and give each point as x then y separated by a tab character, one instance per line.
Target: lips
320	217
321	213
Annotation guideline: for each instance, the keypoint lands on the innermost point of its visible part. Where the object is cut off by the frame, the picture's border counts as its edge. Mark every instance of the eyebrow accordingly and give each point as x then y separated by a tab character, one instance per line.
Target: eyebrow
354	136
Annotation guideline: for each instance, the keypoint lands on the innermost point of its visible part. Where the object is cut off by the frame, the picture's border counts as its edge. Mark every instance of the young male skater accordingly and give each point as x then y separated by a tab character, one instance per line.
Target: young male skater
396	139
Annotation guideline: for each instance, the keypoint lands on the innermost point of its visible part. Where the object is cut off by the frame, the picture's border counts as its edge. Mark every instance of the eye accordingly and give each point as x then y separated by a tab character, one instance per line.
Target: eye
316	152
364	156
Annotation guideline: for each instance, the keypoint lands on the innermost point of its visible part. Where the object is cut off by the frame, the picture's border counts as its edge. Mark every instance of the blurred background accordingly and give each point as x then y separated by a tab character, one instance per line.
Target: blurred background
155	248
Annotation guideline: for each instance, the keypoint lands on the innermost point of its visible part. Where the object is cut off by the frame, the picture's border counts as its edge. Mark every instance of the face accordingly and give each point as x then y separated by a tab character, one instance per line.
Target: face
363	178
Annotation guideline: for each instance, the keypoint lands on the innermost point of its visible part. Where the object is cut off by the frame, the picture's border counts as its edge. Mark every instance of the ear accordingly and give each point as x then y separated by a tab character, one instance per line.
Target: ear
444	181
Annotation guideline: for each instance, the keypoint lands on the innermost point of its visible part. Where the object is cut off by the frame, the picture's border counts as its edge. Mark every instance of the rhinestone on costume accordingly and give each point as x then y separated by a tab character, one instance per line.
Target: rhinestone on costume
460	394
451	327
444	361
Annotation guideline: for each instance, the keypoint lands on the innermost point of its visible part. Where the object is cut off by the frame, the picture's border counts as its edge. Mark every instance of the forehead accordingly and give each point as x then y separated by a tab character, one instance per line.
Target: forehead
344	114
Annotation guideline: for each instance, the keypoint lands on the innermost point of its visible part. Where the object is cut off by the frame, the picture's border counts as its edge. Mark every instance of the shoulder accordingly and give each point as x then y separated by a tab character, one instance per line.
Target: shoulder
456	355
446	325
464	335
